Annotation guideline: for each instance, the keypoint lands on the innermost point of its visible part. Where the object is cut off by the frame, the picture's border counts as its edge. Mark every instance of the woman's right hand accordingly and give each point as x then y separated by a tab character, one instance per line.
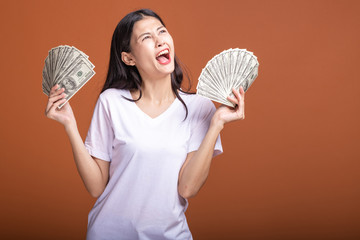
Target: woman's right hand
64	115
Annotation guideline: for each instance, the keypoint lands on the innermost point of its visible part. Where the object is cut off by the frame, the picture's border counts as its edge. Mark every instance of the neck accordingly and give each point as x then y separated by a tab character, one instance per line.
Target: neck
157	90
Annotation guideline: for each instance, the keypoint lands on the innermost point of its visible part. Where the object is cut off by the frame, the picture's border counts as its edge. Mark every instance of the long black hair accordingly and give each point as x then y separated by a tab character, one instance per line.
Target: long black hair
122	76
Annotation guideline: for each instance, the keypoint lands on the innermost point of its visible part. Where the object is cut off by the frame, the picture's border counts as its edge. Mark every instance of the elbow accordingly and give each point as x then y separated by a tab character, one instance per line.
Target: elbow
187	192
95	193
95	190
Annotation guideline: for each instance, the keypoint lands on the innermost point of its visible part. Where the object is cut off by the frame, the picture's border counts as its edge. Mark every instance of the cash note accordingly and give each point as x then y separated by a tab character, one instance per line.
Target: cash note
68	67
229	69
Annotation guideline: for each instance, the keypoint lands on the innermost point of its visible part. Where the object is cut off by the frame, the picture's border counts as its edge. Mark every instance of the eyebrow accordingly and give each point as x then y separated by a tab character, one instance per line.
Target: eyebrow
149	32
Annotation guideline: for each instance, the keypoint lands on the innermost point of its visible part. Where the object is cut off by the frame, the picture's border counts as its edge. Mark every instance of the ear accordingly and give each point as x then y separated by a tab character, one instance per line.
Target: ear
128	58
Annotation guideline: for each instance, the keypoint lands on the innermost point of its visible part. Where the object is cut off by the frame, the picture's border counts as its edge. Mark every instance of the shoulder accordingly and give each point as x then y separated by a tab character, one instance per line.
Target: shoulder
112	93
196	102
199	107
113	96
111	99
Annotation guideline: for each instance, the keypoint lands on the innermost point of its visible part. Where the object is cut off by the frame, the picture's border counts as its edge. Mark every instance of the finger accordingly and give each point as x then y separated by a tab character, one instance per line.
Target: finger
55	106
237	94
242	92
54	88
241	105
242	102
53	99
57	97
59	102
57	92
233	100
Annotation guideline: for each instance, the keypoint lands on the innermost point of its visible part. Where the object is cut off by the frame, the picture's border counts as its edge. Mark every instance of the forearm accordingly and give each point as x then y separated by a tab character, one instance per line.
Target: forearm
195	172
196	168
89	170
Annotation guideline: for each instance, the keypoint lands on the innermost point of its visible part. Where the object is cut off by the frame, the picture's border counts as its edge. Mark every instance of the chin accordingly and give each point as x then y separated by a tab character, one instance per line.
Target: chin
168	69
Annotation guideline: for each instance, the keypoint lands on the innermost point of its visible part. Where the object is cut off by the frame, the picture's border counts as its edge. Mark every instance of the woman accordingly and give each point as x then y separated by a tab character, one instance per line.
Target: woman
150	145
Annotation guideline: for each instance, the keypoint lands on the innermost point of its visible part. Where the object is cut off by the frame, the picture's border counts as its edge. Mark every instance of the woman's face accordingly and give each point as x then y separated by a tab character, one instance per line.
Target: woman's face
152	48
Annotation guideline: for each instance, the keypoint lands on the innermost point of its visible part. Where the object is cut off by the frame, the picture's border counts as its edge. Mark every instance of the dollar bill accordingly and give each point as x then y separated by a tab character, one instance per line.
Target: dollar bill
68	67
229	69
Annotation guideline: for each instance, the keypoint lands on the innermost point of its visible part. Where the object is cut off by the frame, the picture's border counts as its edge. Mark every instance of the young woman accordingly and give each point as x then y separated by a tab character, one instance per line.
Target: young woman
150	145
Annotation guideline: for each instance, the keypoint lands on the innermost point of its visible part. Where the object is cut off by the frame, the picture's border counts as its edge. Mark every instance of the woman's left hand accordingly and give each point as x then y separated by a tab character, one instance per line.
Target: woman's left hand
225	114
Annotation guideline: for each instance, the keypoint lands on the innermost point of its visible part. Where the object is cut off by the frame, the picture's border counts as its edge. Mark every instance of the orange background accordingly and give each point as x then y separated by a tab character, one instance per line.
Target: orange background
291	170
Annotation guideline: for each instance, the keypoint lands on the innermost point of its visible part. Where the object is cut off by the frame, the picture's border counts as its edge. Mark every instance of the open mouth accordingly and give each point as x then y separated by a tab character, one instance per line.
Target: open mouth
163	57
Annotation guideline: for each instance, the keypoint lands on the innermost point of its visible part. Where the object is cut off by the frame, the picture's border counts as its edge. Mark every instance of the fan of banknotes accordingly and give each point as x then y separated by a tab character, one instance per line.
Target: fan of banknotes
229	69
68	67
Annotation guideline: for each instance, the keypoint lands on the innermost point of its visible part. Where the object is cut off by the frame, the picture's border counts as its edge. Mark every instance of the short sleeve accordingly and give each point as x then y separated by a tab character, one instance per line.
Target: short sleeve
200	124
100	136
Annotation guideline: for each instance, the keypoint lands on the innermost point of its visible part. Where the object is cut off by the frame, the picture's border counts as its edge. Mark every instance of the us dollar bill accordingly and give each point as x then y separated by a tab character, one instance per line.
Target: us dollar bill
76	78
68	67
229	69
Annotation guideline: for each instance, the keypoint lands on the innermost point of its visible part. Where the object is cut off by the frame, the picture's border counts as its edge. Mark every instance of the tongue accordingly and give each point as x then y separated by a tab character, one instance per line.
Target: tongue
162	59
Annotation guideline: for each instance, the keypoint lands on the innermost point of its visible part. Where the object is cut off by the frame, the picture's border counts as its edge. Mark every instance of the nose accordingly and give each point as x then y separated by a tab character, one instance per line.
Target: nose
159	41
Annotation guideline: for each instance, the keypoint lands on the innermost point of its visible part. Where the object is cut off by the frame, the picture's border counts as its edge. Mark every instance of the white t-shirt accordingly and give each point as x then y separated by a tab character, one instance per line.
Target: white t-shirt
141	199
